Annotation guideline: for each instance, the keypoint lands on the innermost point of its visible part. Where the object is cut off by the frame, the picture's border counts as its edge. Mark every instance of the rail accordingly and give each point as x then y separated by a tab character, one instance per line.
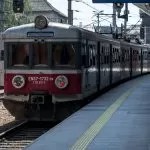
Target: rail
19	136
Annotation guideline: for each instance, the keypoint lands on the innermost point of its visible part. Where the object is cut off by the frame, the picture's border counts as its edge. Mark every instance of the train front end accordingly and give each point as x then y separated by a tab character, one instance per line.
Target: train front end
42	73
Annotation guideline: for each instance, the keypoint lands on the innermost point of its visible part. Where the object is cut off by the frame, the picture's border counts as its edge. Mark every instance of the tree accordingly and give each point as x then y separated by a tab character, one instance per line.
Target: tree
10	18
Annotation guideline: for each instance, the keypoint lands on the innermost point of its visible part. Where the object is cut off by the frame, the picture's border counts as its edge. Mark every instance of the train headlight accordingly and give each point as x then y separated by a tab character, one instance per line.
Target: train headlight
41	22
18	81
61	82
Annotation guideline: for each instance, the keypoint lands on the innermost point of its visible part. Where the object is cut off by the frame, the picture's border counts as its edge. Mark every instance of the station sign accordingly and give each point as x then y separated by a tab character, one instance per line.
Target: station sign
121	1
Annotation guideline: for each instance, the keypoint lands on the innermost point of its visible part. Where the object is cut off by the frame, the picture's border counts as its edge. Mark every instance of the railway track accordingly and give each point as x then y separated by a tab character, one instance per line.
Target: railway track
23	134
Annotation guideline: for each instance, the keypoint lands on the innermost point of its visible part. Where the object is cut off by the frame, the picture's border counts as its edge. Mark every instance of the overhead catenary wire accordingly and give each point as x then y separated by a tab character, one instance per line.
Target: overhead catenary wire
134	25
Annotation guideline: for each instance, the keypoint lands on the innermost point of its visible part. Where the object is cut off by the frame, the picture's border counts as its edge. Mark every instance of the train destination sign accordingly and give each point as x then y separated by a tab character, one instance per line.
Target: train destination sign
40	34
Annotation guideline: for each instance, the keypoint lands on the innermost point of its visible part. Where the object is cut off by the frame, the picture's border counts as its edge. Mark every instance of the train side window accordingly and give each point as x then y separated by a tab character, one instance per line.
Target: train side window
63	54
105	51
133	56
94	55
2	55
113	55
146	55
105	55
108	56
119	57
101	55
127	55
116	54
90	55
83	55
123	55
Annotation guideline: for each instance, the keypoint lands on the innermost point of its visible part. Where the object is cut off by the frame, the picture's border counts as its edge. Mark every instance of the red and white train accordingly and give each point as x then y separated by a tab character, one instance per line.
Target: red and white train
49	66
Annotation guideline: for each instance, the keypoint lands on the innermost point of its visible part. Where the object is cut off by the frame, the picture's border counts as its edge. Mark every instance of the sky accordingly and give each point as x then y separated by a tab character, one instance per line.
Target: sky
86	14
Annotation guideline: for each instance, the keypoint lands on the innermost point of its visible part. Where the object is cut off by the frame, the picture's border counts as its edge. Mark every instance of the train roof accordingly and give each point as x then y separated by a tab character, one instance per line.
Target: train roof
22	30
125	43
60	30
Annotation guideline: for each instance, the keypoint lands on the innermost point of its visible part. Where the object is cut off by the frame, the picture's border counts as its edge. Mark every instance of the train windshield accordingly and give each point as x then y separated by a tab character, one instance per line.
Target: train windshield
23	54
40	54
18	54
48	54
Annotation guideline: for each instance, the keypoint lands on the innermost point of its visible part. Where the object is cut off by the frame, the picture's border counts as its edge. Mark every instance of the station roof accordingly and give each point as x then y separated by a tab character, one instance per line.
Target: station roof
43	5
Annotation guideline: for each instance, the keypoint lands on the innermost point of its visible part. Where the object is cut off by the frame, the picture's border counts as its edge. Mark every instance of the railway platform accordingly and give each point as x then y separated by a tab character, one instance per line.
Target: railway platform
117	120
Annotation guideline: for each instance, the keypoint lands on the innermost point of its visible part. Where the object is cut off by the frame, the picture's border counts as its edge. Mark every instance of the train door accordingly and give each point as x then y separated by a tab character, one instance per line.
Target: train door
104	65
89	67
92	67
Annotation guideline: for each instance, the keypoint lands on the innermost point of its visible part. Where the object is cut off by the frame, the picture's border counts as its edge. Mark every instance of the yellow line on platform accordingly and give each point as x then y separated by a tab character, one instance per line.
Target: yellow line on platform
96	127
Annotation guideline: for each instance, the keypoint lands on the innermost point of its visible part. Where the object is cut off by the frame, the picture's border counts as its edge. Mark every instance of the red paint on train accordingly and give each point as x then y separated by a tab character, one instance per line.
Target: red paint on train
44	82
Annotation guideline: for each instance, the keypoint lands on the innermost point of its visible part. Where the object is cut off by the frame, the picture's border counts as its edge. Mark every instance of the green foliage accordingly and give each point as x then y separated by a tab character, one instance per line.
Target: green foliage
10	18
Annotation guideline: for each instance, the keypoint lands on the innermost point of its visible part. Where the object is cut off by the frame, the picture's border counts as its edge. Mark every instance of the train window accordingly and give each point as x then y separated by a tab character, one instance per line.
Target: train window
139	57
116	55
94	55
63	54
40	54
105	59
90	55
84	55
2	55
133	56
145	57
128	55
108	56
18	54
102	51
101	55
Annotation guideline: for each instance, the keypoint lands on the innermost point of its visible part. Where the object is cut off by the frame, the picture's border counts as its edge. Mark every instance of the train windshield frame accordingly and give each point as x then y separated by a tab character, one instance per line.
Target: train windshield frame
31	55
